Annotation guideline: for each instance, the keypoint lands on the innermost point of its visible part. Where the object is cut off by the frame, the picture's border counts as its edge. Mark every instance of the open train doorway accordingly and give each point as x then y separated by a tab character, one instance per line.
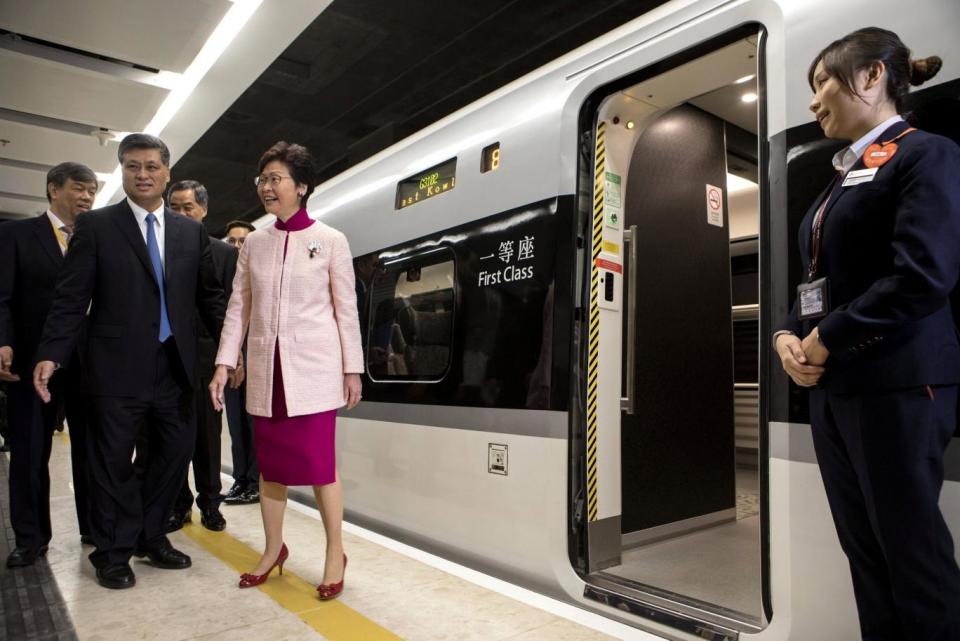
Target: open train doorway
672	461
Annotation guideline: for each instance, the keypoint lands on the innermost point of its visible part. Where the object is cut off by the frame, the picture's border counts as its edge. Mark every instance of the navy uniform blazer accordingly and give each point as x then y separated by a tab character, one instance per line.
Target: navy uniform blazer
30	259
108	269
891	251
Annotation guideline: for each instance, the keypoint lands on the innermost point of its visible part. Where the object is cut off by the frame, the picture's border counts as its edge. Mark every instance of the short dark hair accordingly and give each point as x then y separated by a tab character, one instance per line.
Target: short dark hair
843	58
69	170
199	191
240	223
143	141
298	160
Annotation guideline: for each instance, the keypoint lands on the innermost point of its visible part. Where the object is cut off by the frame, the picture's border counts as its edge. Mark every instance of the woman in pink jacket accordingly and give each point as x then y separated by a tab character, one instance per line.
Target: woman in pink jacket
294	299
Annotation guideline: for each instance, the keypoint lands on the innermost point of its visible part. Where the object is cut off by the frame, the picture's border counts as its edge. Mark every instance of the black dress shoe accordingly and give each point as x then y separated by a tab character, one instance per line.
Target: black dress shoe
211	519
86	539
177	520
232	497
166	557
118	576
22	557
252	495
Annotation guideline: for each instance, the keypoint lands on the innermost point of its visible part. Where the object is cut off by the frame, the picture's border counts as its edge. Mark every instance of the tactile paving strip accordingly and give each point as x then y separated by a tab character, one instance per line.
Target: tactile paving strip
31	606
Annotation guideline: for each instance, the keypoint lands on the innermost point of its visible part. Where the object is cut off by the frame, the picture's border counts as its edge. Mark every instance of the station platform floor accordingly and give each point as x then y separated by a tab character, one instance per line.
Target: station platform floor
392	591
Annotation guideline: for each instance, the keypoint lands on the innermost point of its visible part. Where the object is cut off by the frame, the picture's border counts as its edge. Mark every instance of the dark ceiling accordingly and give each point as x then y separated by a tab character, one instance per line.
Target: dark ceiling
367	73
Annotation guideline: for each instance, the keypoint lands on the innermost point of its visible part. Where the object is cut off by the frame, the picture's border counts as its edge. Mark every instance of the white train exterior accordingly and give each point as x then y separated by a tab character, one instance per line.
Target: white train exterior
419	470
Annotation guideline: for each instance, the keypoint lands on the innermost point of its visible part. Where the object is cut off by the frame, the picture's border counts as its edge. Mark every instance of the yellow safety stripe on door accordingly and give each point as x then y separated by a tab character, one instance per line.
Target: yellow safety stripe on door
594	345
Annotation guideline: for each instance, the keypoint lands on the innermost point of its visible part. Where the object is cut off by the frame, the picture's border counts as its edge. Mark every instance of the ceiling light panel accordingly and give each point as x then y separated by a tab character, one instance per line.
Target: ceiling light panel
78	95
175	29
25	184
50	147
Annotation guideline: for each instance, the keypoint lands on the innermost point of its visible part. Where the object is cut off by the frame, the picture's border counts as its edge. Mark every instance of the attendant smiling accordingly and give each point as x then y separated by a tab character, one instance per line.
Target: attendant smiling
294	291
880	249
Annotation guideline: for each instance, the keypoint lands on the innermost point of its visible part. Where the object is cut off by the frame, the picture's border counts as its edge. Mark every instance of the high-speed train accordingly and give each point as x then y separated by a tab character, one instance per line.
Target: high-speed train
567	291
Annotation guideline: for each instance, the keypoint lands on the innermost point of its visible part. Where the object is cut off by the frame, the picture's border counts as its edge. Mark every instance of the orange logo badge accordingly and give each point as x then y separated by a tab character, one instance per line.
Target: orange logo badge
877	156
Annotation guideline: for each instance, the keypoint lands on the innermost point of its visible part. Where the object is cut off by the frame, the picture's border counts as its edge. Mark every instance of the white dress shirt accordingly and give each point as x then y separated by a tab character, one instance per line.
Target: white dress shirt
846	158
141	215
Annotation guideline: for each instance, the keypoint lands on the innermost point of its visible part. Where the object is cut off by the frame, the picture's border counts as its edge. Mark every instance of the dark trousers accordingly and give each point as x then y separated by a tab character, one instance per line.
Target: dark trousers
881	458
4	394
127	508
206	453
77	412
31	439
31	430
245	470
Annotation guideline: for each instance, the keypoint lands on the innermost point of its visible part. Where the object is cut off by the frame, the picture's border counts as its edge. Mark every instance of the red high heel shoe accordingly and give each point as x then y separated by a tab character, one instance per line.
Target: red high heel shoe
332	590
248	580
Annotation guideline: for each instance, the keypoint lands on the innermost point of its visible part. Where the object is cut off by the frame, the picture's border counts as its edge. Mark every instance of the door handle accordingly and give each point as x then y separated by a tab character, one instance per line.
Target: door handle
628	402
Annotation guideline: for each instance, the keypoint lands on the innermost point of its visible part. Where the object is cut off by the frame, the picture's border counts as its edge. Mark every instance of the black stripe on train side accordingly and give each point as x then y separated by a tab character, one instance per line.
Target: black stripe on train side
508	346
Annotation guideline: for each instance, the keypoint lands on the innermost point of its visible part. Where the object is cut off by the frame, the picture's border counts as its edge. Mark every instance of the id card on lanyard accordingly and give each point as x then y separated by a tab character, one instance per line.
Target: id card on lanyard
813	296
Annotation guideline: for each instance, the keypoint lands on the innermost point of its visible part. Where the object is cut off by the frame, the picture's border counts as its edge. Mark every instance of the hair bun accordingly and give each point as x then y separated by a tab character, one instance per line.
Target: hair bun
923	69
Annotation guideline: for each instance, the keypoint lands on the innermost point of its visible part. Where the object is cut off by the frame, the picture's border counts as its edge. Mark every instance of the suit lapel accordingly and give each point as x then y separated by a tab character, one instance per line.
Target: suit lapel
48	239
171	240
124	218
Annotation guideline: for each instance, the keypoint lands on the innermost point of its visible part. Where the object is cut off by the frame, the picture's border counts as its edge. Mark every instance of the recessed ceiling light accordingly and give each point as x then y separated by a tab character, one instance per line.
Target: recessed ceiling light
749	97
630	124
740	81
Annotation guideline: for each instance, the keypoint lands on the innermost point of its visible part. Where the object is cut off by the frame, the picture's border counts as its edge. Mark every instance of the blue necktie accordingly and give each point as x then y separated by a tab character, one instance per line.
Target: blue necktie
154	250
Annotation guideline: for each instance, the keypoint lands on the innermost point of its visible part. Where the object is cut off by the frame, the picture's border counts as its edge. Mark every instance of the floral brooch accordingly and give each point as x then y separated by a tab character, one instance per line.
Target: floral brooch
313	247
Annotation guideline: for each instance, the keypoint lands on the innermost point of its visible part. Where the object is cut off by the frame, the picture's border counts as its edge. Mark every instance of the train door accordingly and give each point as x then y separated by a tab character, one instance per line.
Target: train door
672	419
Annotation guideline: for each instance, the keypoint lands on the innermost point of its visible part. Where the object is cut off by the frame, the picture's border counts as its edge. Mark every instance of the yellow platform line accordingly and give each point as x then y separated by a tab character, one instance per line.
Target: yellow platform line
333	619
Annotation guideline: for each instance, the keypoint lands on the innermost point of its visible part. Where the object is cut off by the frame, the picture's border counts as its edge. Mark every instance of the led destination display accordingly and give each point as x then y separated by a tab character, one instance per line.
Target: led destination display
427	184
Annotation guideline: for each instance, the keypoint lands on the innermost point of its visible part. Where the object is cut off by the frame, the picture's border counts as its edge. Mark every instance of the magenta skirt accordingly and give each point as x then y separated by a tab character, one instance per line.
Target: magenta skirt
295	450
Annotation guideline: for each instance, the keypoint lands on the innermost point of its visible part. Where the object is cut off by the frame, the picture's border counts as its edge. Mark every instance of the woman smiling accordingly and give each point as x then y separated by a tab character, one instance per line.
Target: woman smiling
294	298
872	329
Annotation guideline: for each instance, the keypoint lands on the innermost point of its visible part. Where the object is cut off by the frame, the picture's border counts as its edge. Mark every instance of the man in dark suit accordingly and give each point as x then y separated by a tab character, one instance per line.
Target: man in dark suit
190	198
31	255
143	272
246	474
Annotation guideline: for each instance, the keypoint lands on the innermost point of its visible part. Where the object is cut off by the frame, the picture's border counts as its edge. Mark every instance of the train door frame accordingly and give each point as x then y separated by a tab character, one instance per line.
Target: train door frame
687	617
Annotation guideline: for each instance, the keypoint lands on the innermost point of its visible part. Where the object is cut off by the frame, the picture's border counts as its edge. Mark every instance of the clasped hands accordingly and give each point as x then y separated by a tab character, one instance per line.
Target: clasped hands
803	359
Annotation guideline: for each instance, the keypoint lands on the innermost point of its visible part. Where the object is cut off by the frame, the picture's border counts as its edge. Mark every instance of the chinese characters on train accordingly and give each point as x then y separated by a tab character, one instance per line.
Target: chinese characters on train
512	254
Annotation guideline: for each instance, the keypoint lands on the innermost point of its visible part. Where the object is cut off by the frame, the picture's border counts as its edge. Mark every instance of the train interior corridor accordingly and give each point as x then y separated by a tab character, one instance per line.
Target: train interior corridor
681	203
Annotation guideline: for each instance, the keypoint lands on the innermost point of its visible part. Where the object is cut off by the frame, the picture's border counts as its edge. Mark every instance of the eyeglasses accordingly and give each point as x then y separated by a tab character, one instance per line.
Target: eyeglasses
273	180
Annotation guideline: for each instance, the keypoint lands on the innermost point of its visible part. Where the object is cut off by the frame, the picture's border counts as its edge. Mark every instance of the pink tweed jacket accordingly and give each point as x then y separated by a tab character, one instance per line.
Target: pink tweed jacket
308	304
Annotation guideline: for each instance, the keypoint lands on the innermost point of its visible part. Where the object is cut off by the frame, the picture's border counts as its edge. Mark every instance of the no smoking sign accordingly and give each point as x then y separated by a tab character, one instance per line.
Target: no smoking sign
714	206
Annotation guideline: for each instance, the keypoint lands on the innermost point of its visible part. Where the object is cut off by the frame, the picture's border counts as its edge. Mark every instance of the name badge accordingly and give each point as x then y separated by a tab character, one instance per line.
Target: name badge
813	299
860	176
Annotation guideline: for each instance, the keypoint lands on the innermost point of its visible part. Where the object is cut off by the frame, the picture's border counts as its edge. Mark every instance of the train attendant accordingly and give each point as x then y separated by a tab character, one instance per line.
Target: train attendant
294	299
871	331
